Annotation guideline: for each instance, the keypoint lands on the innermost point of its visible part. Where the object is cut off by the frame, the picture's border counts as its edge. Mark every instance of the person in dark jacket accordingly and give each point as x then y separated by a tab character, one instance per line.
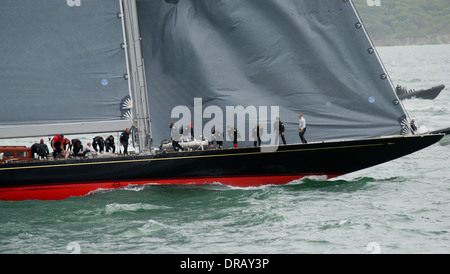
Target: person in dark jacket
77	148
40	149
98	141
413	127
278	128
46	151
233	134
257	133
124	137
109	144
186	130
175	137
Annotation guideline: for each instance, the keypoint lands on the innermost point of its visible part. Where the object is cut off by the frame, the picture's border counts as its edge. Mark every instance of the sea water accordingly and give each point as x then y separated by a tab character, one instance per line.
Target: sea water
401	206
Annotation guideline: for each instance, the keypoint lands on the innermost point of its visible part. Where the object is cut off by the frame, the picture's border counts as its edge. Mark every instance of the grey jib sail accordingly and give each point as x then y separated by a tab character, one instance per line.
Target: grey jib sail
62	67
312	57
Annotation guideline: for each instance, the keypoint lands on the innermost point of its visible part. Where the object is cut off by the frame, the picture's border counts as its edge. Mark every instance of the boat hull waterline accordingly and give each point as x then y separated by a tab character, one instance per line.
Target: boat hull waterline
242	167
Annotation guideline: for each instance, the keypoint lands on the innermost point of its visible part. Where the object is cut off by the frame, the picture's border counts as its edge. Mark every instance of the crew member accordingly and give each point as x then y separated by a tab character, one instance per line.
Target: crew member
218	137
77	148
40	149
109	144
186	130
58	145
302	128
66	144
175	137
413	127
233	134
257	133
124	140
278	128
98	141
87	150
46	151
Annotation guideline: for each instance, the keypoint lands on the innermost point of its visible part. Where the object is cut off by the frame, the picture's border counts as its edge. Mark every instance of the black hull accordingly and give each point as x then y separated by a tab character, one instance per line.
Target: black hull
446	140
241	167
428	94
445	131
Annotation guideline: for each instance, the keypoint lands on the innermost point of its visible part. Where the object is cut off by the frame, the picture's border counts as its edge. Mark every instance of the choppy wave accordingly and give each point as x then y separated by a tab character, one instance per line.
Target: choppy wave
121	208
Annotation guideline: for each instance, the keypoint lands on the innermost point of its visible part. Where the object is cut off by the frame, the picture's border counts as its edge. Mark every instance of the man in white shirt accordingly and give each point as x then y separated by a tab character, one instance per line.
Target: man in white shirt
302	128
88	150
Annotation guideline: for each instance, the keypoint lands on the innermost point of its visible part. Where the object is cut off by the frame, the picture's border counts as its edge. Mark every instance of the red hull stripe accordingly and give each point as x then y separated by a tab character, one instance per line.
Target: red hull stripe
63	191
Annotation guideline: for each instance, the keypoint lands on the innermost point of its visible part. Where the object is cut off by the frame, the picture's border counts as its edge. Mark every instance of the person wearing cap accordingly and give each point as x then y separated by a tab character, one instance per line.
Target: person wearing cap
58	145
45	148
40	149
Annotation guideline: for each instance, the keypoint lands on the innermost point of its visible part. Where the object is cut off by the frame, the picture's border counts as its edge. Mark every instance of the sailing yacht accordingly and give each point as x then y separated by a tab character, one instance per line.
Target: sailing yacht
96	66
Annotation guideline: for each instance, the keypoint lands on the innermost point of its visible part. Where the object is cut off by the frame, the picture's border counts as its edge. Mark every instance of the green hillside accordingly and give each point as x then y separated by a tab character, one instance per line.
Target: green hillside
403	22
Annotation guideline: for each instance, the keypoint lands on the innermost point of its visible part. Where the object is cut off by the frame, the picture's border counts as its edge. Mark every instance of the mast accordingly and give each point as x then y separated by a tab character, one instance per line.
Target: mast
136	75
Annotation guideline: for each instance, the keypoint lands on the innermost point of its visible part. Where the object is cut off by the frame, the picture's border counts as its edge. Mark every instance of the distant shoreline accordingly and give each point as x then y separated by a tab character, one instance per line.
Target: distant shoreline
409	41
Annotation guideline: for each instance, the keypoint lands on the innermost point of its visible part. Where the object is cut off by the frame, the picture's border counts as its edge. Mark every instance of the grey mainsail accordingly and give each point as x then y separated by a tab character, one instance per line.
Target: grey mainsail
306	56
63	67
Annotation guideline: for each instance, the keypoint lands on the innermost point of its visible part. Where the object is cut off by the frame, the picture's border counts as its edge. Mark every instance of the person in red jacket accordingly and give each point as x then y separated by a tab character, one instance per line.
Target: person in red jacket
66	144
58	145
